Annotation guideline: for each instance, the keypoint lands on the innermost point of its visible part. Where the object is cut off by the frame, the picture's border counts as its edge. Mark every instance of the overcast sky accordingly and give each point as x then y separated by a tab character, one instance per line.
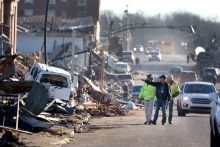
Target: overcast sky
205	8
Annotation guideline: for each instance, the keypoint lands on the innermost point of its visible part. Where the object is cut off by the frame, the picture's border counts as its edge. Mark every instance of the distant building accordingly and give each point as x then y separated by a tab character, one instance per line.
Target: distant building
60	8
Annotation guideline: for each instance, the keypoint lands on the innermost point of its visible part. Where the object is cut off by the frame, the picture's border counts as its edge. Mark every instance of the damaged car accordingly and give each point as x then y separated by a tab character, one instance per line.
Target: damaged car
60	81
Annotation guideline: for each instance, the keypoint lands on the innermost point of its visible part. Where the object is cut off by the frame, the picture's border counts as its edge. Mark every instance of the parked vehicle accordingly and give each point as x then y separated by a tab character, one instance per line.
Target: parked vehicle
139	48
135	91
128	56
211	71
209	78
154	56
58	79
120	79
196	97
121	67
187	76
148	50
176	70
126	78
215	124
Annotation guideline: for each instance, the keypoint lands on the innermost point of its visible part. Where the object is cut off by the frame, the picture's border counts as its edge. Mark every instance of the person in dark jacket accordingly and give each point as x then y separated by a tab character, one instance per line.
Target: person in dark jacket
125	89
163	95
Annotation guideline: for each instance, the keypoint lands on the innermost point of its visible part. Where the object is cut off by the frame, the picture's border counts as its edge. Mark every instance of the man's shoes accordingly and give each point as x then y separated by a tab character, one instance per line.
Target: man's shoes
154	123
148	123
170	123
163	124
151	121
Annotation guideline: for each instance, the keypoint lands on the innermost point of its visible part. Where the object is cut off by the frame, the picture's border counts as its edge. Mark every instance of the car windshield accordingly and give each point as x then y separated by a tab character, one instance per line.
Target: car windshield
136	88
124	66
199	88
54	80
154	53
125	77
188	74
175	70
138	46
210	71
127	53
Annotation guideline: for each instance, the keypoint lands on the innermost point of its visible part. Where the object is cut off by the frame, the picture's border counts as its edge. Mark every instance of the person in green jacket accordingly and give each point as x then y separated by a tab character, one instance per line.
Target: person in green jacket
174	92
148	94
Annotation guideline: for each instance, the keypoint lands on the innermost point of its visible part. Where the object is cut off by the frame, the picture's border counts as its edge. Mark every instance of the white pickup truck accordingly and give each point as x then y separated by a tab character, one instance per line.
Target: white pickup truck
59	79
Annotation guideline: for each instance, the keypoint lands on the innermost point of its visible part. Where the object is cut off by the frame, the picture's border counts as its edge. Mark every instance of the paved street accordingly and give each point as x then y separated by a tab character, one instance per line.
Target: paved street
129	131
190	131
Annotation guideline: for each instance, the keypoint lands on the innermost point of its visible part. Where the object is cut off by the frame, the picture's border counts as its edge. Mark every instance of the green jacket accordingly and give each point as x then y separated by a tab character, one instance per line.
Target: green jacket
174	89
148	92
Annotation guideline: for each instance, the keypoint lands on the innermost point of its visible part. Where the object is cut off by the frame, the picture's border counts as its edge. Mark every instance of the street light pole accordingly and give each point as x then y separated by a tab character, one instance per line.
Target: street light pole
126	24
45	33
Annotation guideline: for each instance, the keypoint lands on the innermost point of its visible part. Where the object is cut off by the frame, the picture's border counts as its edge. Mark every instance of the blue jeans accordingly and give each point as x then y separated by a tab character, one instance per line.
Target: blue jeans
160	104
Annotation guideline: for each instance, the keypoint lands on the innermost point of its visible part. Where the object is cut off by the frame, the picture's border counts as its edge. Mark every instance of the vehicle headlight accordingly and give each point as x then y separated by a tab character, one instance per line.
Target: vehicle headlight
149	56
185	98
135	49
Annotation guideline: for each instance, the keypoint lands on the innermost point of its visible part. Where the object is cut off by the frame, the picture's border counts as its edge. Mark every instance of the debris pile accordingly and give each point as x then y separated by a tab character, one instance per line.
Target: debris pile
103	103
10	139
28	105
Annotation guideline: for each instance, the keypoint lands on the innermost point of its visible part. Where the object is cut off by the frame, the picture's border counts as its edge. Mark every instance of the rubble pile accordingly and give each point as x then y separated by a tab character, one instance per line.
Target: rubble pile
27	105
103	103
110	111
10	139
27	59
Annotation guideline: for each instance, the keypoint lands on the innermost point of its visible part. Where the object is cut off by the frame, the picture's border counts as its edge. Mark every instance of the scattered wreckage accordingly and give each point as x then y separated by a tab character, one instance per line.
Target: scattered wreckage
35	104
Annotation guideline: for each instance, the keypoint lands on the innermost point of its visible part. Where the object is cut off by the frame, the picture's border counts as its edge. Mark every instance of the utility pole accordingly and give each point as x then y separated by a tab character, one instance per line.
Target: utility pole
126	33
90	63
45	32
64	49
85	43
102	70
73	56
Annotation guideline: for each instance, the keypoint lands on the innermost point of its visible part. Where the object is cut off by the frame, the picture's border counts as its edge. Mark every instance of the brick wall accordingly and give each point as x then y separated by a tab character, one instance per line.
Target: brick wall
70	8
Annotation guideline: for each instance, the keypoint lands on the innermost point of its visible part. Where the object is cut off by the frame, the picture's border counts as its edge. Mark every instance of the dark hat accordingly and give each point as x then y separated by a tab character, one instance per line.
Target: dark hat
150	76
162	77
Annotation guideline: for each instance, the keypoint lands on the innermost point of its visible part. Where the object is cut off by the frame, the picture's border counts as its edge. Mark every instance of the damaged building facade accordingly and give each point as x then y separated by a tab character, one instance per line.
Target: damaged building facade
8	29
8	18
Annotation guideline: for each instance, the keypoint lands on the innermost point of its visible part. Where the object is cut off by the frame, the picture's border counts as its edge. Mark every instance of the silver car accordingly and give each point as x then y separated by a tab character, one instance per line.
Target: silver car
154	56
196	97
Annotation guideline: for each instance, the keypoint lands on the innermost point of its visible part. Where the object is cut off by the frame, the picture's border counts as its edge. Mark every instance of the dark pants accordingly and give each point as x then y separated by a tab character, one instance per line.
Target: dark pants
170	103
125	95
160	104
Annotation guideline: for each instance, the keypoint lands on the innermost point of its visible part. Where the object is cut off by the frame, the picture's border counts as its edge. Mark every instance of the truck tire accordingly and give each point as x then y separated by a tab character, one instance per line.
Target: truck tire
212	139
180	111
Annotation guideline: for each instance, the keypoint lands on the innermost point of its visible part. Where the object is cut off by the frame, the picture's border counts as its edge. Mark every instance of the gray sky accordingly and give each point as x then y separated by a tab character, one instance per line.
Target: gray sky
205	8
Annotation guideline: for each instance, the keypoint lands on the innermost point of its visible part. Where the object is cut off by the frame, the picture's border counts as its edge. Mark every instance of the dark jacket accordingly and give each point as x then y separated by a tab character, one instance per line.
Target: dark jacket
162	90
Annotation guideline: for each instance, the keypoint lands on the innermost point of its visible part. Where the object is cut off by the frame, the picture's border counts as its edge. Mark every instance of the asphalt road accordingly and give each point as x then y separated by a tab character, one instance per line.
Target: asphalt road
164	65
190	131
129	131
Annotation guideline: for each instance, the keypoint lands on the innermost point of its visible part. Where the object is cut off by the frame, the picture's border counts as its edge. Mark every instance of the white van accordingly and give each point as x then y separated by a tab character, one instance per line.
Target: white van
59	79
